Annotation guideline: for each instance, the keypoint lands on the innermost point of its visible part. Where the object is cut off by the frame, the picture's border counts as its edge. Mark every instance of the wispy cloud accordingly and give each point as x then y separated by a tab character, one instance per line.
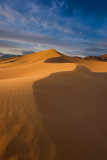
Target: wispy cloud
33	39
7	44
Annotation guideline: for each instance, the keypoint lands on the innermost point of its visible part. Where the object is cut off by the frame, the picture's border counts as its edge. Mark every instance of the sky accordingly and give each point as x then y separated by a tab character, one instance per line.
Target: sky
72	27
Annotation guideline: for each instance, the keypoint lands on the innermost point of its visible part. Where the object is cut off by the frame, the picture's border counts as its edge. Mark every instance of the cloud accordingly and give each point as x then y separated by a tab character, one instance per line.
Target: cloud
27	52
72	26
28	43
86	7
33	16
1	53
31	38
7	44
96	50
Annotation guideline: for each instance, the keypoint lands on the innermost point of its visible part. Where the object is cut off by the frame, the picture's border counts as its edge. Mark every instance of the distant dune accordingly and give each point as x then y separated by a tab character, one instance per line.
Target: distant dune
100	58
103	57
7	56
53	107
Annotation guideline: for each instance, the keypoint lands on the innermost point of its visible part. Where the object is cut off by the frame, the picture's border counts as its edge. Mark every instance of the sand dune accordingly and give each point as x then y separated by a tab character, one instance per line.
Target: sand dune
29	59
52	107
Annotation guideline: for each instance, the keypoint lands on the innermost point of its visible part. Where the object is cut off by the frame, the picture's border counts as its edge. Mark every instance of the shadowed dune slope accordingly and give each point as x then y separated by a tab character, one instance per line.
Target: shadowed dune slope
73	110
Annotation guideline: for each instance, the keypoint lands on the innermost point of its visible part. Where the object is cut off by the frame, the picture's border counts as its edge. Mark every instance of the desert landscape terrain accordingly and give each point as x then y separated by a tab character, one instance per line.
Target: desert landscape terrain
53	107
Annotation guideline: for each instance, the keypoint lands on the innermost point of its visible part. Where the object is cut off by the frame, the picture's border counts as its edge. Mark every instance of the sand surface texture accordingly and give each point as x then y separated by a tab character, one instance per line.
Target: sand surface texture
53	107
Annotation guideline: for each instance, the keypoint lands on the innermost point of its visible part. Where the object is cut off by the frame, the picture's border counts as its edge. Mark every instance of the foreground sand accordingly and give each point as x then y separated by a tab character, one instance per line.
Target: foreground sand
52	109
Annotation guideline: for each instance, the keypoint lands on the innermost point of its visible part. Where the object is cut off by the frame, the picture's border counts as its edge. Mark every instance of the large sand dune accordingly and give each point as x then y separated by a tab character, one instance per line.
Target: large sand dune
52	107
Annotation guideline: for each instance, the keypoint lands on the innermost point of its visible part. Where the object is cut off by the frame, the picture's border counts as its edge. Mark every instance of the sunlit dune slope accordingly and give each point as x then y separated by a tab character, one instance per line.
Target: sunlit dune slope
33	65
94	66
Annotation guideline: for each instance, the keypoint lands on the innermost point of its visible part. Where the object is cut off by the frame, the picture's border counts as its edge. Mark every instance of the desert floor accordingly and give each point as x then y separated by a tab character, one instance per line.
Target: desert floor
53	107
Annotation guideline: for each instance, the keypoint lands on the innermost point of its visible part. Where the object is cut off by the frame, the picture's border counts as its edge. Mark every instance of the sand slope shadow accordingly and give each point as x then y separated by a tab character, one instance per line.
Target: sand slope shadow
56	60
73	108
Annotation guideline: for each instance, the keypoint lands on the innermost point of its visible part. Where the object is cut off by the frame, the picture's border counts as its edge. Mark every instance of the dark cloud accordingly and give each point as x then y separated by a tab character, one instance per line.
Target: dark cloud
27	52
7	44
31	38
96	50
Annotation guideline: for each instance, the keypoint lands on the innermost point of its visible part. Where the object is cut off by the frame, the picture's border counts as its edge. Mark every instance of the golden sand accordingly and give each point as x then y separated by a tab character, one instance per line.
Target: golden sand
52	107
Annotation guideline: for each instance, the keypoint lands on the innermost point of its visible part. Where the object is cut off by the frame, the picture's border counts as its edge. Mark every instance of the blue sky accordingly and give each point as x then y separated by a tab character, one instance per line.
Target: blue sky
73	27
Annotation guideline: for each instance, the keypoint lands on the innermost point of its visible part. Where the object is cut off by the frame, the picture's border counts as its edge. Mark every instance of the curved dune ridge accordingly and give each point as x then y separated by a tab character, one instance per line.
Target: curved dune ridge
52	107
